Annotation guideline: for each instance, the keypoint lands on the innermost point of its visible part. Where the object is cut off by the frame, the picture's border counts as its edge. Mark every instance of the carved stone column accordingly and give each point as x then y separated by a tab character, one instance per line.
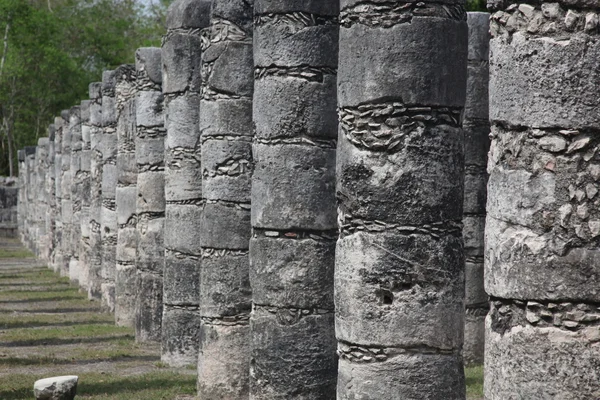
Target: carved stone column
226	127
150	157
293	200
399	281
543	217
126	197
181	52
108	213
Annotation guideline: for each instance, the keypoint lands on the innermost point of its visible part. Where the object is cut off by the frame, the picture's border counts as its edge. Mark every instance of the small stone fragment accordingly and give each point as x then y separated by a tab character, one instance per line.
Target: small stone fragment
571	19
591	191
532	317
594	170
553	143
583	211
564	213
56	388
594	227
591	22
527	10
579	143
551	10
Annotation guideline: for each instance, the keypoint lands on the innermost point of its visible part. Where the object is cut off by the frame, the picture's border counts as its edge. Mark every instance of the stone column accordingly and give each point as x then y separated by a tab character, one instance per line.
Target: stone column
75	169
21	204
51	200
66	203
543	221
108	213
125	197
399	280
85	196
476	130
293	200
31	198
181	52
96	164
41	199
150	207
226	126
58	240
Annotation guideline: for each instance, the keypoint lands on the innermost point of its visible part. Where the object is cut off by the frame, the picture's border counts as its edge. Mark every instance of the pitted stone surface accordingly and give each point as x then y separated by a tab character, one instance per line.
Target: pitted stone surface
126	196
541	228
293	204
227	166
182	87
149	205
399	273
108	214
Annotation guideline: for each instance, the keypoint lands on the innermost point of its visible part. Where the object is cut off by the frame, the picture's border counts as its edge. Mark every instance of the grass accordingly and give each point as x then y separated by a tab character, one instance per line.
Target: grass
49	328
15	253
474	380
156	385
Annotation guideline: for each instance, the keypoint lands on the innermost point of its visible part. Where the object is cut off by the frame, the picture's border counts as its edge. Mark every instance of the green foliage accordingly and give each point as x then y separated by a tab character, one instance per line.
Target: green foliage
476	5
54	49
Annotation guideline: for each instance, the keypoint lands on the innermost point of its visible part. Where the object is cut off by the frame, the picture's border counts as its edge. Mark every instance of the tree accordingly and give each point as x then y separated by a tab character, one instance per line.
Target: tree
52	50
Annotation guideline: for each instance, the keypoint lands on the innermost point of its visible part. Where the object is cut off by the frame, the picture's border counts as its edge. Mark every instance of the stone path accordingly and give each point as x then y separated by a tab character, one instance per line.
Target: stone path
48	328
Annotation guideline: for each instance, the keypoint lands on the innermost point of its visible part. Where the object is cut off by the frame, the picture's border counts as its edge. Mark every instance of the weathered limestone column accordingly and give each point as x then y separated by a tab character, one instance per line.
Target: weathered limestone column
293	200
85	196
58	240
108	214
31	198
399	280
226	126
40	208
66	203
75	170
181	52
150	207
22	198
50	184
476	129
125	197
543	221
96	166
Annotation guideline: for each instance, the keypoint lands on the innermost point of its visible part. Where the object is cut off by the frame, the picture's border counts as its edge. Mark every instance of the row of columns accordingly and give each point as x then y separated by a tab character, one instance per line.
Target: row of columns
291	195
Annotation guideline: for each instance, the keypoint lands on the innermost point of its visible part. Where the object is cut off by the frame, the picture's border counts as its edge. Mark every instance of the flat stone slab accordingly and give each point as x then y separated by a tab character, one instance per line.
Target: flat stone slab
56	388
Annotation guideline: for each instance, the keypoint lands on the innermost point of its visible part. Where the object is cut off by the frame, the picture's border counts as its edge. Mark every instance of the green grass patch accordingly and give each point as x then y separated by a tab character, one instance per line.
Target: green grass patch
474	380
99	331
15	253
13	320
155	385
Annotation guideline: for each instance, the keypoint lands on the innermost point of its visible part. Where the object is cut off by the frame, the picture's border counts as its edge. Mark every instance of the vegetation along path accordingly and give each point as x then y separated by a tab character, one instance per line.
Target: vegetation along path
49	328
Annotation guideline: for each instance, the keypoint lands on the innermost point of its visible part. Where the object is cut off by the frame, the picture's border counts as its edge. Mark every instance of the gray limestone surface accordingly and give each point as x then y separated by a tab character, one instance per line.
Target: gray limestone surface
108	213
85	196
543	221
56	388
476	129
150	203
76	193
399	273
181	86
96	167
226	159
66	191
293	200
126	196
